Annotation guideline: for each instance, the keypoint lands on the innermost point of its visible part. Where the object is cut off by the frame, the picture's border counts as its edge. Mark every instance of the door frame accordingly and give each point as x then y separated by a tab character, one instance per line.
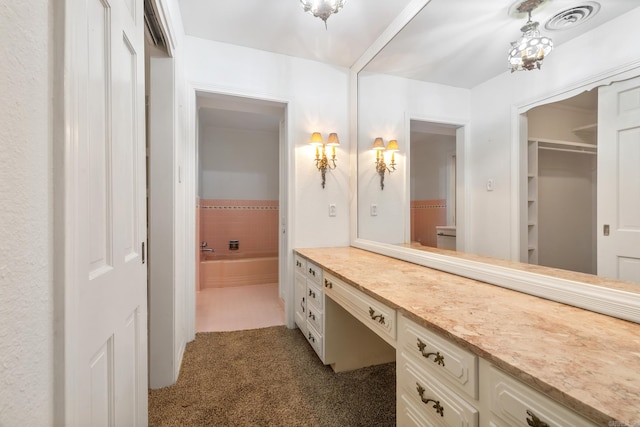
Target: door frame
519	136
286	187
461	172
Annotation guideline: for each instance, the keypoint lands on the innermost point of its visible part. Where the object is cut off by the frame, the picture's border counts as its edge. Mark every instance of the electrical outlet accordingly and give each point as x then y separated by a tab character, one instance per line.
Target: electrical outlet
332	209
490	185
374	209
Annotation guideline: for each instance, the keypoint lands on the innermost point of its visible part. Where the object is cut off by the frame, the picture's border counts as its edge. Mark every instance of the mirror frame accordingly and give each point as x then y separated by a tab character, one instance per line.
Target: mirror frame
601	299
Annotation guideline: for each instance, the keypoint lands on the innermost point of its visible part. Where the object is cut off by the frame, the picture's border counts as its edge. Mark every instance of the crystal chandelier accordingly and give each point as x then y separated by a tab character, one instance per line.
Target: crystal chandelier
528	52
322	9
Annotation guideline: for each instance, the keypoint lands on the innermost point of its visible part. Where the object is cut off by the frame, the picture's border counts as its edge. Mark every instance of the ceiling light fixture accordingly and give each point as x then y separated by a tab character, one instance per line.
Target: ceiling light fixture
322	9
528	52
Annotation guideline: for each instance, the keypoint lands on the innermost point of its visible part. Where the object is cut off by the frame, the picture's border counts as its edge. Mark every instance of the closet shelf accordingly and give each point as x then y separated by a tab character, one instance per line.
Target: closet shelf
590	128
561	145
587	133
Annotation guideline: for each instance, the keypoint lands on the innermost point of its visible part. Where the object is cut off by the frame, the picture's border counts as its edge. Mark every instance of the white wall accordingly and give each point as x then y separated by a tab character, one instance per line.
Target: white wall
172	183
385	104
26	217
553	121
491	117
316	95
565	210
430	155
239	164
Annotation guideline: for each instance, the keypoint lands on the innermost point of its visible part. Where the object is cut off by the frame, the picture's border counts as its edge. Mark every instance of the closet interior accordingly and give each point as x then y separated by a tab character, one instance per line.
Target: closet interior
562	179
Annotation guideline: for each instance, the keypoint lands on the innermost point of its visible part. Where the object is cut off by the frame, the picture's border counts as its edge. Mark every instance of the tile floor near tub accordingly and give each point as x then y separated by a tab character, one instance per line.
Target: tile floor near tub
238	308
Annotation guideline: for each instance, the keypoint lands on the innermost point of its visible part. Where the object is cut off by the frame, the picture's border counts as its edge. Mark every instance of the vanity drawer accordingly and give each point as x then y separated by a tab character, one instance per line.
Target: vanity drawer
374	314
314	295
315	339
436	402
314	273
439	356
300	301
300	265
314	317
408	414
517	404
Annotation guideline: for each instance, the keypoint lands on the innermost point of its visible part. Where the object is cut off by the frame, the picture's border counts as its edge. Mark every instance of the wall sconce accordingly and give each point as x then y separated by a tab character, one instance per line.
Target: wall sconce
322	162
381	166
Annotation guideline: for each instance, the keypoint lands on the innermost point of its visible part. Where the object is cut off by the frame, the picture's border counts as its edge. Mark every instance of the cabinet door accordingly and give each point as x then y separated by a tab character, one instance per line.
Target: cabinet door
300	302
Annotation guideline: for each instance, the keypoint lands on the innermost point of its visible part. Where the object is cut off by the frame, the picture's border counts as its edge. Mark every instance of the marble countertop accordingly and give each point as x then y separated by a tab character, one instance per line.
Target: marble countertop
587	361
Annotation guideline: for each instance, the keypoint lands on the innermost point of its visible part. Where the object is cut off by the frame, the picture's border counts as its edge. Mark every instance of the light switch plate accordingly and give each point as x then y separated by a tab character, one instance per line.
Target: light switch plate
374	209
332	209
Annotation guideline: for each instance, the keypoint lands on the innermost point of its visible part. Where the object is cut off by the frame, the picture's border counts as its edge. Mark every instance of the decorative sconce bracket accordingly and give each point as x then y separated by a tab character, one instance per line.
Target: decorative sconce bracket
381	165
323	163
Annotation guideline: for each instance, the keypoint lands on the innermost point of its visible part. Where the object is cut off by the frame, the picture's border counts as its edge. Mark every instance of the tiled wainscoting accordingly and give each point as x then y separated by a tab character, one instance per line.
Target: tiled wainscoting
254	224
425	216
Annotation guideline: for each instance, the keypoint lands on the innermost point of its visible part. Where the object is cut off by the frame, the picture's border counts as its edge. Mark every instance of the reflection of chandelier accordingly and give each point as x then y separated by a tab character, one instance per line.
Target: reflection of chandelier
322	9
528	52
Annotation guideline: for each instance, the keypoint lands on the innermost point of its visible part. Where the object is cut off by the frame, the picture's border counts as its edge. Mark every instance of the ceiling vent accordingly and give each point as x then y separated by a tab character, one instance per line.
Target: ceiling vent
571	17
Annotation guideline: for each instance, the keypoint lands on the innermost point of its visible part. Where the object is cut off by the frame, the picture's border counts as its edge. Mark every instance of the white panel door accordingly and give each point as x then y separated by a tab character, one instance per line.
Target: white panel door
105	215
619	180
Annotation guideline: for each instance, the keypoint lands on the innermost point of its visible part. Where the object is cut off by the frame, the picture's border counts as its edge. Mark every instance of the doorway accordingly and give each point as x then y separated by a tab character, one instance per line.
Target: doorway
433	184
238	213
562	181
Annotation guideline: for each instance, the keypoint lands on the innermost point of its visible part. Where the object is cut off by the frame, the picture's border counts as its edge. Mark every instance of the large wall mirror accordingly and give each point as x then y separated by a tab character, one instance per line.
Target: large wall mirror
511	170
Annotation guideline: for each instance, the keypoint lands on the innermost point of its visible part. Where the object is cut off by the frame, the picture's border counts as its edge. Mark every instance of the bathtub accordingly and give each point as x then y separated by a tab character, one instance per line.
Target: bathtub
226	270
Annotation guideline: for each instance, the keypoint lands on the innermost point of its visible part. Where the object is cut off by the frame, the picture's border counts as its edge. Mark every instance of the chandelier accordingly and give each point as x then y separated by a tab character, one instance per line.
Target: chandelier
528	52
322	9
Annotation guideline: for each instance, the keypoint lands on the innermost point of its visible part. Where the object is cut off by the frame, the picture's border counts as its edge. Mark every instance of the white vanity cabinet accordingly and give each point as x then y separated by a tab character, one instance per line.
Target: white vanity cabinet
309	313
437	381
371	312
300	288
513	403
457	365
441	384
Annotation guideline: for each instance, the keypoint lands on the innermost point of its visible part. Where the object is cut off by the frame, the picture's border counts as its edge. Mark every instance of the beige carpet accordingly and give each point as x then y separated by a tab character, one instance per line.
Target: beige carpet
270	377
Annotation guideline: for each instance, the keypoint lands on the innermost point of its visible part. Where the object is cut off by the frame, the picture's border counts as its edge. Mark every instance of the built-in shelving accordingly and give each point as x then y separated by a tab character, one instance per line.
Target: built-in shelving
532	201
561	145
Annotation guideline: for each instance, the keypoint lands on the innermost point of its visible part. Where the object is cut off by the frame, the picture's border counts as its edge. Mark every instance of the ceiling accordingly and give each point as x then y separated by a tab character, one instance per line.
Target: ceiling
281	26
463	43
437	45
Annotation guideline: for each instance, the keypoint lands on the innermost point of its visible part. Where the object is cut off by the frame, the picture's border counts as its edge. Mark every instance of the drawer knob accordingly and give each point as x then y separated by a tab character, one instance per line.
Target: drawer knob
312	294
312	338
374	316
302	304
312	272
535	421
328	284
439	359
436	403
312	316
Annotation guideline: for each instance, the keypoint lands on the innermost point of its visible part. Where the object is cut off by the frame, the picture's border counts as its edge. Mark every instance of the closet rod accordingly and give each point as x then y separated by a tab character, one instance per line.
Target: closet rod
568	150
562	142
